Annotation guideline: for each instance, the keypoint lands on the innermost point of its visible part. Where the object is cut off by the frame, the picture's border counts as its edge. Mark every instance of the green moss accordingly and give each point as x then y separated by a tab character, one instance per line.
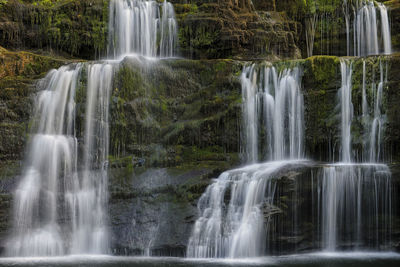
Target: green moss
323	71
158	115
129	83
76	27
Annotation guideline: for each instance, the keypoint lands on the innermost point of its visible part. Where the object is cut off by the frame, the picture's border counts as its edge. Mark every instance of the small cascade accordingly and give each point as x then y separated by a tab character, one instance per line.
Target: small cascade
237	229
62	198
369	39
377	127
55	186
366	23
139	26
90	194
356	205
346	107
273	104
52	155
355	198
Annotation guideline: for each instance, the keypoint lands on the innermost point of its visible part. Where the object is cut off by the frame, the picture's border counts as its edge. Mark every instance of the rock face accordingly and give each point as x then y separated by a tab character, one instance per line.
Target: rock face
224	29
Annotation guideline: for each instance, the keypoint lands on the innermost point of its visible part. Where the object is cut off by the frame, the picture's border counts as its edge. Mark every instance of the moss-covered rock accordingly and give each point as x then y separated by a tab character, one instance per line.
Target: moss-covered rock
70	27
165	107
321	82
234	29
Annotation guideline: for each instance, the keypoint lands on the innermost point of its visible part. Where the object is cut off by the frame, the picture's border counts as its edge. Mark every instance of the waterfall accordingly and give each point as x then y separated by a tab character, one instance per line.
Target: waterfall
356	205
377	126
373	117
89	195
366	23
272	103
138	26
356	197
51	156
347	21
310	24
236	229
346	109
60	203
368	38
55	185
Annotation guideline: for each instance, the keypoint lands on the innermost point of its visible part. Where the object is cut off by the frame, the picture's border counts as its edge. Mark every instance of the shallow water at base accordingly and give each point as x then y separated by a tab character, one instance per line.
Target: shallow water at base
338	259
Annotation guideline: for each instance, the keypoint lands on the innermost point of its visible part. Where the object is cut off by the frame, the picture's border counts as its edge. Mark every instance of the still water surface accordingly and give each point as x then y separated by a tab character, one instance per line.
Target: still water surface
301	260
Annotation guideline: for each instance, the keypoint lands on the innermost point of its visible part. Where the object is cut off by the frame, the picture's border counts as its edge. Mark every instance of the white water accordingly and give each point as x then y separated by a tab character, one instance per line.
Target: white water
272	103
53	188
236	228
373	117
369	38
51	160
367	28
356	198
89	195
60	204
356	205
143	27
375	145
346	107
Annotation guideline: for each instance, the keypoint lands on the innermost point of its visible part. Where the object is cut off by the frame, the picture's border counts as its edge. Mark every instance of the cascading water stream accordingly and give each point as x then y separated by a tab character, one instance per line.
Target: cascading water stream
52	154
237	229
346	106
375	147
274	104
356	197
60	204
138	26
366	23
369	39
55	187
356	205
89	232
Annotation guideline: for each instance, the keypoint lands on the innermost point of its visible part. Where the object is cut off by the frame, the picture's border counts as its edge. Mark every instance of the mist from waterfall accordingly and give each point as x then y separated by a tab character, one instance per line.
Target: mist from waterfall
144	27
59	183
